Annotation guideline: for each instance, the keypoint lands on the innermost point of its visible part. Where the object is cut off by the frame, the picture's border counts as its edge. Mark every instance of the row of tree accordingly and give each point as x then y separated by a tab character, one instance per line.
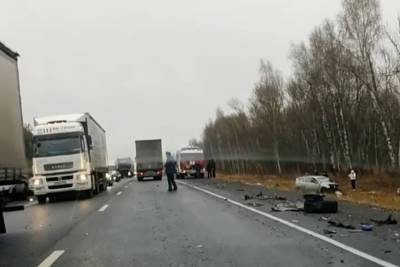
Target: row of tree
339	109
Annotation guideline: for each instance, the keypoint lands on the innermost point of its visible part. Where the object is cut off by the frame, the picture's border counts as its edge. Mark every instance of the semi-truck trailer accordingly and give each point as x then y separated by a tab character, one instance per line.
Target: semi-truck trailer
69	156
13	162
149	159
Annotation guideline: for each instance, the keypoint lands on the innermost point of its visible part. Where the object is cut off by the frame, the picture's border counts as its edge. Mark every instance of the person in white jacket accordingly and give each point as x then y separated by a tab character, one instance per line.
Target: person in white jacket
353	179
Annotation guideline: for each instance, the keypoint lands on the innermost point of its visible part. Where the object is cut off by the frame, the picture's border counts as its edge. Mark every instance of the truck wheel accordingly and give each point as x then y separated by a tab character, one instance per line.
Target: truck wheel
41	199
140	179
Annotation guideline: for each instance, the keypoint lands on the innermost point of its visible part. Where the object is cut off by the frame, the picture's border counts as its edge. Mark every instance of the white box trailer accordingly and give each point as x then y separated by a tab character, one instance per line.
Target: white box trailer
70	155
13	163
12	147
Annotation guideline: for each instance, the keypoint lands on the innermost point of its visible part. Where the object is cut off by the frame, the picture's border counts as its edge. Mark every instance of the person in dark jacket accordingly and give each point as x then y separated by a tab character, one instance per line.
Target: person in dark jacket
170	170
213	168
208	168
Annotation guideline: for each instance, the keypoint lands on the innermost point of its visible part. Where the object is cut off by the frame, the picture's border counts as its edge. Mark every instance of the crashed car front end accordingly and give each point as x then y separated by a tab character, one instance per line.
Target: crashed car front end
330	187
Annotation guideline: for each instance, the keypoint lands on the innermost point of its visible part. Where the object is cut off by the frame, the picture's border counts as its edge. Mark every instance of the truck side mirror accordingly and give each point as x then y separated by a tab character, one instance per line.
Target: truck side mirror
89	141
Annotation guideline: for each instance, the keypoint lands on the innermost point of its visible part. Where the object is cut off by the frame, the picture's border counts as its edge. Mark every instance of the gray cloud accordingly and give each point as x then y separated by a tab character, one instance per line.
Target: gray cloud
149	69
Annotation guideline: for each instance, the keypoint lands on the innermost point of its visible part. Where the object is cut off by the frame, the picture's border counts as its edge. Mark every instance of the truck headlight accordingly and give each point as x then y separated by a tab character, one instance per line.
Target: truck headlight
82	178
108	176
37	181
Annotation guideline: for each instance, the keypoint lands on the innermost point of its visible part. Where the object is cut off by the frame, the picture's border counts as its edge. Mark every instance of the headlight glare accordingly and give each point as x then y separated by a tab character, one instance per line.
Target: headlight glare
82	178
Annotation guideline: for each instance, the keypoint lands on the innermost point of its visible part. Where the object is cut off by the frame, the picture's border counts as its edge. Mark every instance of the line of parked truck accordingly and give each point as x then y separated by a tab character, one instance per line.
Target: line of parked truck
69	152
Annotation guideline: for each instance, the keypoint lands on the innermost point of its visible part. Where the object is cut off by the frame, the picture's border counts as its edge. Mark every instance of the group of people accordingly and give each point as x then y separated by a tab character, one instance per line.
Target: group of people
171	170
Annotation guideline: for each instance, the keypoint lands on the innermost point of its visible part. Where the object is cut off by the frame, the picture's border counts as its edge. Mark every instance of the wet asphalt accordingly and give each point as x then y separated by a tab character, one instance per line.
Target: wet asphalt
141	224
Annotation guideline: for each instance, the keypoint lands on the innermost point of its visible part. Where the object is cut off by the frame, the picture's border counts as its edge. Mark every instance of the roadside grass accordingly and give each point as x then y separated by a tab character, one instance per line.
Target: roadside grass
377	190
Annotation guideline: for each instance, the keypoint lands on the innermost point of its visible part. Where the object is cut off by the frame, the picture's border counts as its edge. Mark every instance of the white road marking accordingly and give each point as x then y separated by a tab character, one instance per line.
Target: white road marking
299	228
119	193
103	208
51	259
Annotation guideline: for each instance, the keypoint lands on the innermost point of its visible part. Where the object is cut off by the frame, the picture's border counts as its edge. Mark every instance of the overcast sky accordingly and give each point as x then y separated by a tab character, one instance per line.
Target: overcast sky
154	68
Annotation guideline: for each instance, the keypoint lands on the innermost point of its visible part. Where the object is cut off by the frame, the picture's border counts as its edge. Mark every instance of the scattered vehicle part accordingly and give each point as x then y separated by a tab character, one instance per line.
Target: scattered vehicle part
323	218
388	251
355	231
315	184
389	221
341	225
254	204
247	197
329	231
366	227
70	156
320	206
261	196
149	161
295	221
288	206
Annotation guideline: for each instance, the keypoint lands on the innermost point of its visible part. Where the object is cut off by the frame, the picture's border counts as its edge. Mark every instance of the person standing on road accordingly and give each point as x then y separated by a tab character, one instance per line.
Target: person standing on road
353	178
213	168
170	170
208	169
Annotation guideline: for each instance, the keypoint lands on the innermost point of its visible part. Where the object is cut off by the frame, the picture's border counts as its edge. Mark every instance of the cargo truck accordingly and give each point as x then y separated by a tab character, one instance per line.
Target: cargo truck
69	156
149	161
13	162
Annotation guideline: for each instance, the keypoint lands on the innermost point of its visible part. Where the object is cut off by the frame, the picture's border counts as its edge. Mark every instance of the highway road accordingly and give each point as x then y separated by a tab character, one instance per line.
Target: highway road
141	224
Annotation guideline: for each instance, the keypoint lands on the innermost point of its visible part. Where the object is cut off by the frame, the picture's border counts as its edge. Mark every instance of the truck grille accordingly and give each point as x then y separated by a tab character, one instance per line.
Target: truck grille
55	179
58	166
60	186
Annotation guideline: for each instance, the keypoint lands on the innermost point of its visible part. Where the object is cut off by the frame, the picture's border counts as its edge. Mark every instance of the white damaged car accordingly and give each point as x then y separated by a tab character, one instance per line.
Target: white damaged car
315	184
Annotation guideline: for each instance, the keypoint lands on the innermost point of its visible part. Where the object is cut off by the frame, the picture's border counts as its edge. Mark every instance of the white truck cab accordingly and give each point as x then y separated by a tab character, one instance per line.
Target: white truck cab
65	158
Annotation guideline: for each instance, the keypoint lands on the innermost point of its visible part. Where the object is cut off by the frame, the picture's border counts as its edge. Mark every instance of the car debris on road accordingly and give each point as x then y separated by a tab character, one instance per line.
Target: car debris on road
288	206
341	225
388	221
261	196
366	227
329	231
254	204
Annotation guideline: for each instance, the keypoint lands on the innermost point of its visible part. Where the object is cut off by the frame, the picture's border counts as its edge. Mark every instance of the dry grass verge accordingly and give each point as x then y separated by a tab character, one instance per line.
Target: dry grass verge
375	190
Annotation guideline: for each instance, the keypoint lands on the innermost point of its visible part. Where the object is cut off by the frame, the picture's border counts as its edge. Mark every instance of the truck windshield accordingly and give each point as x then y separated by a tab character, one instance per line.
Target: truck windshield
192	156
57	146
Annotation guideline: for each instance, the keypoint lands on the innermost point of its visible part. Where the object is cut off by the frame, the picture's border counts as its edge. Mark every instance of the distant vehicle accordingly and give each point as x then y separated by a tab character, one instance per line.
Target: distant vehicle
13	163
190	161
125	166
70	155
149	161
310	185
